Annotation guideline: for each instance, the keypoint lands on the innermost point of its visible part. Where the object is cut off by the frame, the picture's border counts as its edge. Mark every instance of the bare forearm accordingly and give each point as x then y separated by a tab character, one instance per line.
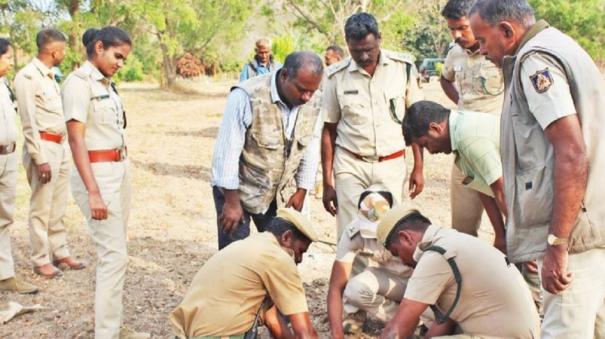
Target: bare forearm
82	162
232	196
328	147
418	157
493	213
450	90
498	190
571	174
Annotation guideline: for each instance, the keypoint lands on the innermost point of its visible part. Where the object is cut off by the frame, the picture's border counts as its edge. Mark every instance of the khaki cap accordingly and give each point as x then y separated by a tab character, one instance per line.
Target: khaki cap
390	219
301	222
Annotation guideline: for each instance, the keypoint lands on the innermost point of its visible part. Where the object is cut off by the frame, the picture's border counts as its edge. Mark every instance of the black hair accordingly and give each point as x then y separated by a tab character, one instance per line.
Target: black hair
279	226
110	36
336	49
308	60
494	11
359	25
457	9
385	194
47	36
414	221
419	117
4	45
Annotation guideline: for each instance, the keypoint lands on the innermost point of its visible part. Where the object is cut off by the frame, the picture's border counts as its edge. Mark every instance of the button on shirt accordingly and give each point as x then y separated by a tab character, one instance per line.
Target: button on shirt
230	141
475	139
368	109
478	81
8	129
92	101
39	105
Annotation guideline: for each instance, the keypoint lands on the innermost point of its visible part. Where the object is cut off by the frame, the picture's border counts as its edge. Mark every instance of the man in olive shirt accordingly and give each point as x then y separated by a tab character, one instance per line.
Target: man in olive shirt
257	274
467	283
474	139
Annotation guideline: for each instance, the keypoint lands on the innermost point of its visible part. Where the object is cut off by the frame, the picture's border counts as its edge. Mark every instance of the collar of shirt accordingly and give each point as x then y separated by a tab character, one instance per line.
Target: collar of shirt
382	60
429	237
472	53
453	119
95	73
43	69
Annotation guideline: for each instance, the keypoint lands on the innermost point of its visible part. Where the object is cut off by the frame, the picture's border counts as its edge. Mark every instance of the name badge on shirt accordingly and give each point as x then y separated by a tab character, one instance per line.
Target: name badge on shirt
351	92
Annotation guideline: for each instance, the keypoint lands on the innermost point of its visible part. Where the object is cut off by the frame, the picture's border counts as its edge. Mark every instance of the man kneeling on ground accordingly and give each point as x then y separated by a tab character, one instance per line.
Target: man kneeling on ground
379	288
254	276
470	286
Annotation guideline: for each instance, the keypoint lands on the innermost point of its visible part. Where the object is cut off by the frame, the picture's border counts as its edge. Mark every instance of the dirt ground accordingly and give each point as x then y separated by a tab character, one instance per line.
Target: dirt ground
172	229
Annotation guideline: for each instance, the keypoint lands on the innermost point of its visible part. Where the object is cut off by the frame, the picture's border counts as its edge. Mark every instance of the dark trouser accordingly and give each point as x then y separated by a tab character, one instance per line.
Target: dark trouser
243	230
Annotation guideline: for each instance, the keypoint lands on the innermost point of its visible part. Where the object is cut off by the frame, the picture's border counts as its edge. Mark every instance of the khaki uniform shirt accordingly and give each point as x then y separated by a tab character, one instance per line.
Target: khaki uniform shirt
494	299
369	109
478	81
40	108
8	129
475	139
227	292
352	244
88	97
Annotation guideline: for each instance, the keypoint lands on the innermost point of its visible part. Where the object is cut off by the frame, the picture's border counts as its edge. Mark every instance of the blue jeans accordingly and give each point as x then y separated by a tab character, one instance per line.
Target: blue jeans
243	230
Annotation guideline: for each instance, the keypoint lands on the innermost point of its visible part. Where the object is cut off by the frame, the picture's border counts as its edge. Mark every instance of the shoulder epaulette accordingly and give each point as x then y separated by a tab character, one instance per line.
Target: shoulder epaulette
400	56
333	69
81	73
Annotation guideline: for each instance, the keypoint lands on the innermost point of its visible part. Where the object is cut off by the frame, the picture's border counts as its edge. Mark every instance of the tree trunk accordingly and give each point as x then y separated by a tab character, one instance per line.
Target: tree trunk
168	66
73	7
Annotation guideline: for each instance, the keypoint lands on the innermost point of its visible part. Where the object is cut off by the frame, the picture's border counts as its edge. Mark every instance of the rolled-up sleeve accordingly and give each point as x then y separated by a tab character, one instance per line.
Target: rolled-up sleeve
307	170
230	141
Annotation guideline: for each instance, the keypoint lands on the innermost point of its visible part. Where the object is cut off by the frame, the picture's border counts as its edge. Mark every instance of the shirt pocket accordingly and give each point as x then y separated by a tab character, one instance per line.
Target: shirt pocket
51	100
487	79
353	109
396	106
534	192
104	111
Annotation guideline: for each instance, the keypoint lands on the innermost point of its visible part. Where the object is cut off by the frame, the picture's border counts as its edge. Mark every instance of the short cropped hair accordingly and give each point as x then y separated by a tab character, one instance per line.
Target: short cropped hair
457	9
48	36
307	60
412	222
495	11
359	25
336	49
419	117
4	45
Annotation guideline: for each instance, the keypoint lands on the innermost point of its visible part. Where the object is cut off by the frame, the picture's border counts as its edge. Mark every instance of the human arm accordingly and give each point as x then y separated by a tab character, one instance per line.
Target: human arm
244	74
328	147
25	88
495	217
307	169
449	89
338	280
416	184
229	145
405	321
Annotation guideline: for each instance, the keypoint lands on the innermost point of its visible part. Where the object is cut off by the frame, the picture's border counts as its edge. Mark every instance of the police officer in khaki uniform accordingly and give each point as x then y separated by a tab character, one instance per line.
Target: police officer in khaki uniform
101	185
254	277
475	84
8	176
46	155
364	101
553	152
467	283
379	288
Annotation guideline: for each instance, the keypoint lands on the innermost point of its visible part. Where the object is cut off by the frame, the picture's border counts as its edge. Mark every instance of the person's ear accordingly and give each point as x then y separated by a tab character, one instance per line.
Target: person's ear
286	237
436	128
507	30
99	47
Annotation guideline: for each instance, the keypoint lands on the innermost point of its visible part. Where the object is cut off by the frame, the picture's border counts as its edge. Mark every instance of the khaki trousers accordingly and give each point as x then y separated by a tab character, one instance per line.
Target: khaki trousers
375	291
353	176
579	311
47	204
109	237
466	205
8	187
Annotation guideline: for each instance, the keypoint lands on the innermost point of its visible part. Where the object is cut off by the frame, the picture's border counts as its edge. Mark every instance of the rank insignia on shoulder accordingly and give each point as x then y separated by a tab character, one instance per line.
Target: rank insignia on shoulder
542	80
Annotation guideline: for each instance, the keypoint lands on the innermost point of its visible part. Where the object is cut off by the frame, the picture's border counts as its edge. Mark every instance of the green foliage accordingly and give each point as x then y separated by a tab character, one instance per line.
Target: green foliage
584	20
282	46
132	70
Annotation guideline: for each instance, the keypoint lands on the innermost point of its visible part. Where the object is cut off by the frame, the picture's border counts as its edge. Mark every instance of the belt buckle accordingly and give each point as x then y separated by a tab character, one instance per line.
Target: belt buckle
370	158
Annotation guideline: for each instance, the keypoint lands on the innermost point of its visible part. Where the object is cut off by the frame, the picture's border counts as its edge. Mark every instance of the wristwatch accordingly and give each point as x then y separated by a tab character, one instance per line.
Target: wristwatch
553	240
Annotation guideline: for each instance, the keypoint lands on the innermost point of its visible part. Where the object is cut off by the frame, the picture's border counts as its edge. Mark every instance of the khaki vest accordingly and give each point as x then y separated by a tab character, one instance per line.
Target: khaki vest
266	170
528	157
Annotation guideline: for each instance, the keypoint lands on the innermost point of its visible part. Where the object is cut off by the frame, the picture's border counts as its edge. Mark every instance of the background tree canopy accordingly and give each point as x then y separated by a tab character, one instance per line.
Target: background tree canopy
220	33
